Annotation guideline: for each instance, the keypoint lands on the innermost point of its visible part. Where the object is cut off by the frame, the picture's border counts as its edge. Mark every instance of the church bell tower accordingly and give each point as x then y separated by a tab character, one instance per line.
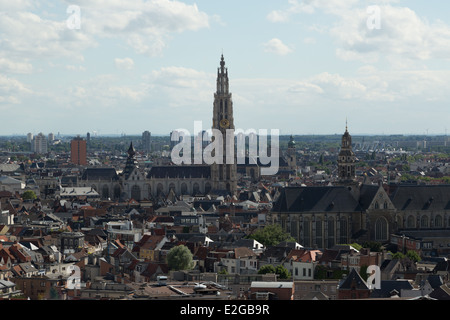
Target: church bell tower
346	160
224	175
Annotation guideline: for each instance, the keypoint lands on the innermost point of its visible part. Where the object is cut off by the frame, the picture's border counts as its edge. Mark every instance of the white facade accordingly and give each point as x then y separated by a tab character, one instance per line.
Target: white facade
39	144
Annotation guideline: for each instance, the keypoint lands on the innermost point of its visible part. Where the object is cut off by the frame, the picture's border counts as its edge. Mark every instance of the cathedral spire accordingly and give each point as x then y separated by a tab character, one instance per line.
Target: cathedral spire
131	151
223	175
222	78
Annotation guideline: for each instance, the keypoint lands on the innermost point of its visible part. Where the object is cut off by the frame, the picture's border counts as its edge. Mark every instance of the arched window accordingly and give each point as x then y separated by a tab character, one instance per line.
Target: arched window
117	191
159	189
196	189
306	232
377	206
319	233
424	222
105	192
385	205
331	233
294	228
381	229
438	221
207	187
184	188
343	230
136	192
410	222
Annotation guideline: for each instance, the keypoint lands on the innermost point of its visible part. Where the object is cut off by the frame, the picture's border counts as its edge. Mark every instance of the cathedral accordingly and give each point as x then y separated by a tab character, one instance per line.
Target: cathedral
349	211
160	181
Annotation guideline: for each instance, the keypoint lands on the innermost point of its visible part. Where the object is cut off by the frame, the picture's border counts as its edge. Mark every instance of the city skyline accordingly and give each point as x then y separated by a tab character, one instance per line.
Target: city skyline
303	67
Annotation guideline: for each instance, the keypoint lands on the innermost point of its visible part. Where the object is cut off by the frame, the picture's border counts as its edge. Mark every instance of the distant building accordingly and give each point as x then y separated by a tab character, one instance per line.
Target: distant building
51	137
78	154
39	144
353	287
29	137
147	141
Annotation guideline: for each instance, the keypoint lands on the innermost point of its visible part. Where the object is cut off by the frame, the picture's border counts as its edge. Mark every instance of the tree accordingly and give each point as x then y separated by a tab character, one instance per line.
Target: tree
413	256
268	268
373	246
271	235
398	256
180	258
29	195
282	272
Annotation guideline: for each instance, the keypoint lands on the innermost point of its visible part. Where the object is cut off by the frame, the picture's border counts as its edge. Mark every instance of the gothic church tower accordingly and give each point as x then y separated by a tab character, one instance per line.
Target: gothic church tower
224	175
346	160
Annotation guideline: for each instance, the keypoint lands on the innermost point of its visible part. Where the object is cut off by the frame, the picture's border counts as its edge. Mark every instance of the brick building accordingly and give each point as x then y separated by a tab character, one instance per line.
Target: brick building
78	151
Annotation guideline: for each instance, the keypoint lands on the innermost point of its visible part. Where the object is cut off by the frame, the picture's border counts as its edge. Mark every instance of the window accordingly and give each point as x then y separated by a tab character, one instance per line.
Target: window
306	232
438	221
343	230
381	229
319	233
424	222
410	222
330	232
304	272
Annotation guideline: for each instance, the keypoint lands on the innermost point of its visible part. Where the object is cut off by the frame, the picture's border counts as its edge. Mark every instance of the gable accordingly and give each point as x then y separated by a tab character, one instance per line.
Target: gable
381	200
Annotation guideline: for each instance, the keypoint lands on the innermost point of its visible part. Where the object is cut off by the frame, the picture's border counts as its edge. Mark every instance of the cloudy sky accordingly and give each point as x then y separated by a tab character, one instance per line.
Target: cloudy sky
300	66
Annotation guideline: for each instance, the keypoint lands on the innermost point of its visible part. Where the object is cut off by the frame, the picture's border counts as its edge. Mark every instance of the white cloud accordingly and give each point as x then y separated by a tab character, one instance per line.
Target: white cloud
180	77
9	66
75	68
146	26
277	46
12	90
294	8
25	35
124	64
403	34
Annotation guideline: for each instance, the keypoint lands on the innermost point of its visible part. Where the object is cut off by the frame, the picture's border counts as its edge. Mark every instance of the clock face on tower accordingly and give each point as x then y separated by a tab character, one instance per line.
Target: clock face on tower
224	123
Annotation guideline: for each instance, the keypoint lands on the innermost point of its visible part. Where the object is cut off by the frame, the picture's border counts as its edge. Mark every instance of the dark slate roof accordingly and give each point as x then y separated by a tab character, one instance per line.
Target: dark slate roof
442	266
316	199
435	280
353	278
416	197
206	204
441	293
275	252
388	286
367	193
188	171
99	174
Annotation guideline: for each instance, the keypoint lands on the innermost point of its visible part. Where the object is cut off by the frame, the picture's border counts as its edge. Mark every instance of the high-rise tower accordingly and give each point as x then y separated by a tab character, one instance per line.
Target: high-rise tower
78	153
224	174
